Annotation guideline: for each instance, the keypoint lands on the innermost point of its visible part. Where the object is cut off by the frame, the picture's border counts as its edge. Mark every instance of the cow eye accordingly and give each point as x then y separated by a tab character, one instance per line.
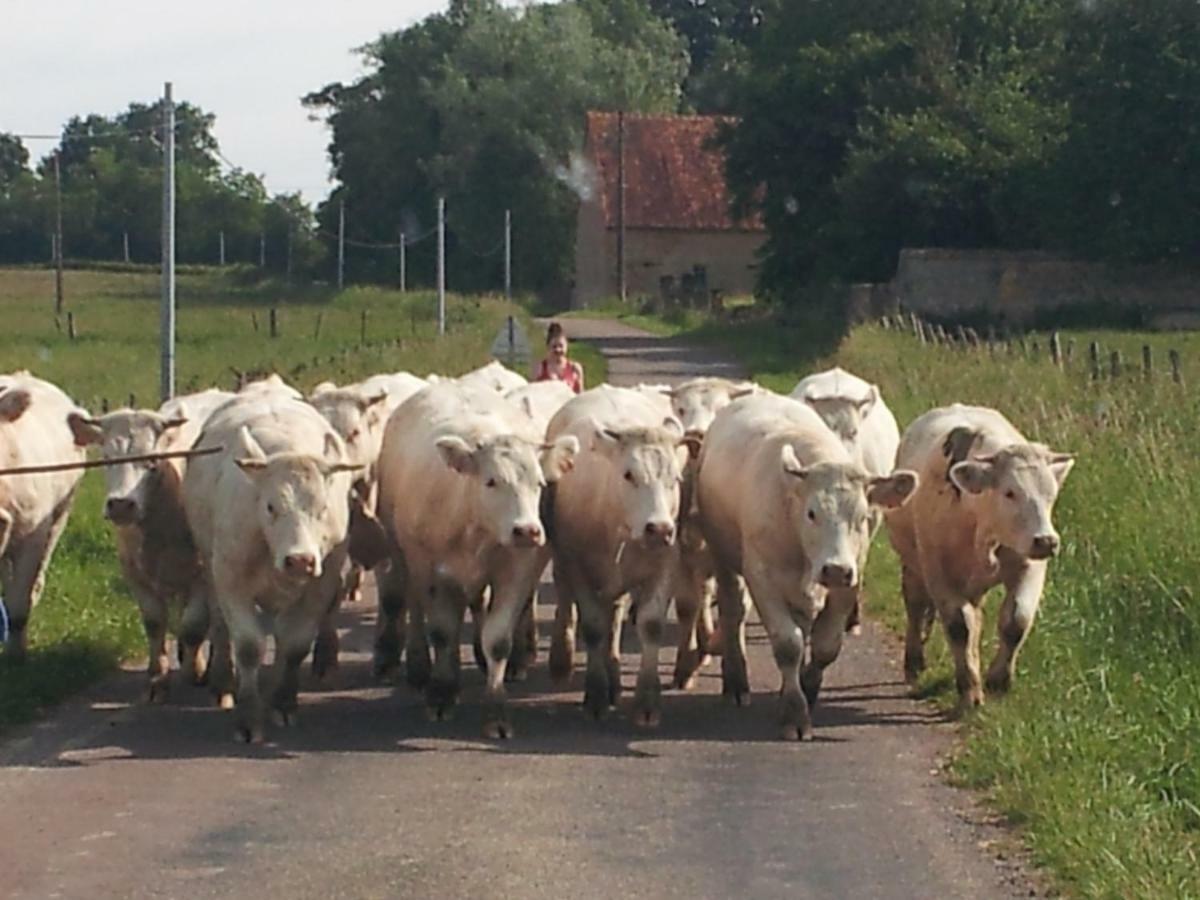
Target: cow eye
629	477
491	482
353	435
1010	494
812	516
270	509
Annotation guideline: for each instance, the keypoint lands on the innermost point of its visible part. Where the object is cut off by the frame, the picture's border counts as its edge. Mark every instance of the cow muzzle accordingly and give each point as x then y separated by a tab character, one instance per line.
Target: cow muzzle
301	566
836	575
121	510
659	534
528	536
1044	546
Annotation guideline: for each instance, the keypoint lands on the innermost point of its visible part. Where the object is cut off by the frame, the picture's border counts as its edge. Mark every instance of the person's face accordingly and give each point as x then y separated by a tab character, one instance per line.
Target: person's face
558	347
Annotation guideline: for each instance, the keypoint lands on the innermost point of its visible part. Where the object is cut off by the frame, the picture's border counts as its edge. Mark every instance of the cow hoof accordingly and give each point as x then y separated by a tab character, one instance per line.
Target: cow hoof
684	681
998	683
737	697
497	730
225	701
793	732
647	718
158	691
854	630
516	673
248	734
285	718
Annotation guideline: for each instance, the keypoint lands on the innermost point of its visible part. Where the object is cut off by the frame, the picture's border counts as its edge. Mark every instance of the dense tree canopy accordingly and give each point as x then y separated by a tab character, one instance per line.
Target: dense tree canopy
485	105
1055	124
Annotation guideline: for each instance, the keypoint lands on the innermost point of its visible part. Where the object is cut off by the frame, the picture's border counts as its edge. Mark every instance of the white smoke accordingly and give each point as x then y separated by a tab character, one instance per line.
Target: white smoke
579	175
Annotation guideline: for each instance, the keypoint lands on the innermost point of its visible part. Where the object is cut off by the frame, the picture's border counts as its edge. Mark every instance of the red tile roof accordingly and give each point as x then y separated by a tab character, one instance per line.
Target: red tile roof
674	177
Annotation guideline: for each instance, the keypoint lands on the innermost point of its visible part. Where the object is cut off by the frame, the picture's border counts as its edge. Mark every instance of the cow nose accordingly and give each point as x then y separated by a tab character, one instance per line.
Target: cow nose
120	509
1044	546
528	535
835	575
300	564
662	531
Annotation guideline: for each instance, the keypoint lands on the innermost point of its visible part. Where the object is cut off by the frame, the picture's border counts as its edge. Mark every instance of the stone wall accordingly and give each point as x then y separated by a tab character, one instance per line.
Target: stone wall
1013	288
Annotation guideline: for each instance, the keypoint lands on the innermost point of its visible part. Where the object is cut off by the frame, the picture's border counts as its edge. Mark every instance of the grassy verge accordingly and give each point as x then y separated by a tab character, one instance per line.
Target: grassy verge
1096	753
86	623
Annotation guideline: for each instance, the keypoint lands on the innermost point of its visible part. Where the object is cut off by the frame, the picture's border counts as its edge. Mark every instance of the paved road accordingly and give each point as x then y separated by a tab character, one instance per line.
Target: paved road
366	798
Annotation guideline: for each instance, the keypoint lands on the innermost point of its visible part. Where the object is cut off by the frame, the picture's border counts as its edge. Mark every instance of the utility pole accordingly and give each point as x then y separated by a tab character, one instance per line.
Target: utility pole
58	235
508	254
262	250
403	262
167	380
126	246
341	273
441	264
621	205
221	255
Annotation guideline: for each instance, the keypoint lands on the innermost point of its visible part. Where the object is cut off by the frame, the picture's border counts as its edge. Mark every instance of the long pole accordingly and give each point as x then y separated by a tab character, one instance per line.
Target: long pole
58	235
341	273
621	205
441	264
403	263
262	250
126	246
167	380
222	248
508	254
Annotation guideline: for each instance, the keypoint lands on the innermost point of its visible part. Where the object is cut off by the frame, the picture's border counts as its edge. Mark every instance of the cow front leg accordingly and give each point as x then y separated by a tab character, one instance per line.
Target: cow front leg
158	667
193	630
568	584
826	639
962	625
647	697
788	646
249	643
919	609
525	638
731	606
295	630
388	638
444	621
1021	601
497	632
596	618
692	650
29	559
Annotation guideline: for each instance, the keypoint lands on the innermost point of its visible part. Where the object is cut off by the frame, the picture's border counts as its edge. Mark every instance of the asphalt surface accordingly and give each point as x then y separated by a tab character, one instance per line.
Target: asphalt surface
367	798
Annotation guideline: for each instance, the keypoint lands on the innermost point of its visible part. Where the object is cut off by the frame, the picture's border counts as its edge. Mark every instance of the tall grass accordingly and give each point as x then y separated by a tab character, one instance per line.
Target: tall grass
86	623
1096	752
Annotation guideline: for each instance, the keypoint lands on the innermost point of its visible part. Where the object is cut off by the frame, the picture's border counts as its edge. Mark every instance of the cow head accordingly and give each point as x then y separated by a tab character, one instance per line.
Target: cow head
697	402
301	503
127	432
1018	486
358	419
509	474
844	415
831	513
649	467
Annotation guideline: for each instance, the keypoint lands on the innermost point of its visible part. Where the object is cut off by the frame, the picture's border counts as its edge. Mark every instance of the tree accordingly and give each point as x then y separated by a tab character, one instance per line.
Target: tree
485	105
14	159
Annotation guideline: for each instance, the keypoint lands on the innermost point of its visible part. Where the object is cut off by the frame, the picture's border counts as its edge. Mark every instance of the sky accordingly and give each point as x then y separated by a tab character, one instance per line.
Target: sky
248	62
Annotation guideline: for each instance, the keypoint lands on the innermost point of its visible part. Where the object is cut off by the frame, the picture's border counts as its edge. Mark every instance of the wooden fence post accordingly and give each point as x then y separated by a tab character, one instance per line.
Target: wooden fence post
1176	368
362	328
1115	364
254	321
317	330
274	319
1147	361
1056	349
71	325
1094	357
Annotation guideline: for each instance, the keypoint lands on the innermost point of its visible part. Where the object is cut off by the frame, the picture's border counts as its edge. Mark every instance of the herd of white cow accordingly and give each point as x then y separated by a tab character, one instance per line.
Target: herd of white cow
458	493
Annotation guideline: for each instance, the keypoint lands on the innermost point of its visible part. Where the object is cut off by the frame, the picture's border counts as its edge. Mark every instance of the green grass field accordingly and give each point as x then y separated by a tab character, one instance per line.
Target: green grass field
86	623
1096	752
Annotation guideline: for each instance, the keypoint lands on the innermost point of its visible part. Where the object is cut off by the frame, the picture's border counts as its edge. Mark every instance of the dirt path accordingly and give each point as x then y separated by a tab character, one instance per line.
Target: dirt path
366	798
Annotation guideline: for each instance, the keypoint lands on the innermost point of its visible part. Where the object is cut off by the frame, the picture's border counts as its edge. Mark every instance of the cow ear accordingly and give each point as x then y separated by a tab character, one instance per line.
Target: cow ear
13	404
365	403
694	444
604	440
558	457
743	389
333	450
867	403
1061	465
458	454
973	476
673	425
892	491
84	429
789	462
251	465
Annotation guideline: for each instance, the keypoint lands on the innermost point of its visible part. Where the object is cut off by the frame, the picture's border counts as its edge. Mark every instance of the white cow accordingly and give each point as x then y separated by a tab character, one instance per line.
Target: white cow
856	413
854	410
461	476
613	527
270	516
785	508
144	504
981	518
494	376
271	384
33	508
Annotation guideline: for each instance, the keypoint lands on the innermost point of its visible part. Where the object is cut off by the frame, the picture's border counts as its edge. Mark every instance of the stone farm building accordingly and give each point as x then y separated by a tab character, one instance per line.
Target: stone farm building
680	239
